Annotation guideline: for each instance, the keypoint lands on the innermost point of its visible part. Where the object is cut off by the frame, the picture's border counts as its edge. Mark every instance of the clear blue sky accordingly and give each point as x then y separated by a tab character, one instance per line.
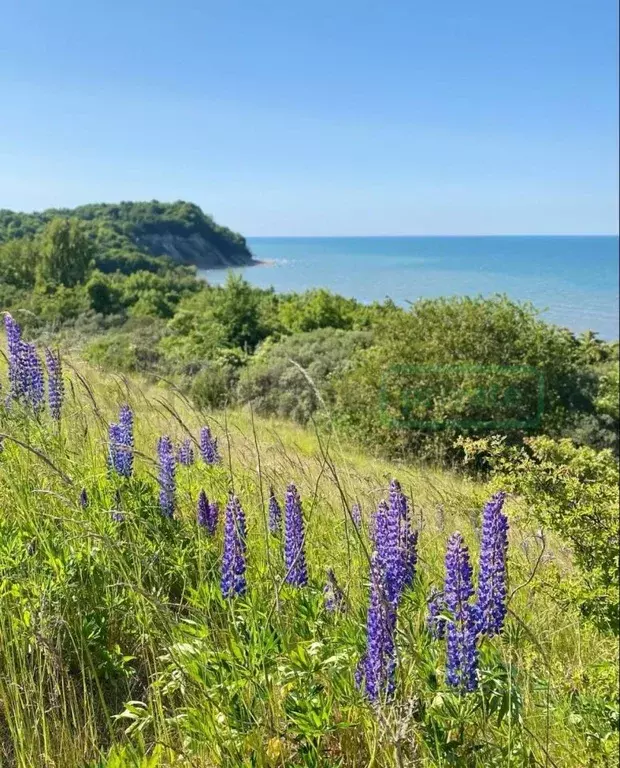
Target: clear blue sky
317	117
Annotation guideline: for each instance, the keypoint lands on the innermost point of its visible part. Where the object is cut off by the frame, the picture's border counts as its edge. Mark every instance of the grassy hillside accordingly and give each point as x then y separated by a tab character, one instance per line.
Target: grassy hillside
128	234
118	649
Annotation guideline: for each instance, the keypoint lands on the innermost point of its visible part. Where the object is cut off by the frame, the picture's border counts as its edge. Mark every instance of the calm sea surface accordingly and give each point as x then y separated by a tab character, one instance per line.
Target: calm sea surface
574	280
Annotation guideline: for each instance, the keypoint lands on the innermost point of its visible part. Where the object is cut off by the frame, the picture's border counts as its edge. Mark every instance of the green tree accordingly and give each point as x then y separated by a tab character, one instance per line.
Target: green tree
66	254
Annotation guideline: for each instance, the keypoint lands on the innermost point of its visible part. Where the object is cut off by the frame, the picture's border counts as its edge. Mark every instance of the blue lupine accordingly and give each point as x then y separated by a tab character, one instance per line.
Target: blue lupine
333	596
461	629
491	597
83	498
294	539
233	581
126	444
115	438
14	346
208	447
435	624
207	513
406	558
356	515
167	480
202	510
55	384
30	375
377	667
387	537
118	516
275	514
186	453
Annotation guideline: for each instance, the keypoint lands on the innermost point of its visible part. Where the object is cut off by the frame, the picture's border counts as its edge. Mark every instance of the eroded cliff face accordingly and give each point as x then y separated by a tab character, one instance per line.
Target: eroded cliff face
194	249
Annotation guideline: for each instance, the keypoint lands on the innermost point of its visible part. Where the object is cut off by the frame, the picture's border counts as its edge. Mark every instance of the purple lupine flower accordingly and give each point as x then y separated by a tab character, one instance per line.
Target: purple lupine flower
208	447
207	513
118	516
387	537
186	453
202	510
14	342
294	539
333	596
83	498
126	443
406	558
167	481
31	373
115	437
491	597
356	515
55	384
275	514
435	624
377	667
233	580
461	630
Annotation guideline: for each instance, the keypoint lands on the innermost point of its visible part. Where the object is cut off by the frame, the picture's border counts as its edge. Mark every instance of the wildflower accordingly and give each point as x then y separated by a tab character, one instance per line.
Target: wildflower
356	515
208	447
294	552
167	482
14	346
83	498
491	597
35	387
275	514
207	513
333	596
233	580
55	384
461	630
126	443
377	667
434	623
387	524
406	556
115	437
118	516
186	453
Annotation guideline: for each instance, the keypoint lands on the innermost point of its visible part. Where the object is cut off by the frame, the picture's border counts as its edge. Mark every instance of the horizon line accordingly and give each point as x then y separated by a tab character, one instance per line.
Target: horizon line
502	234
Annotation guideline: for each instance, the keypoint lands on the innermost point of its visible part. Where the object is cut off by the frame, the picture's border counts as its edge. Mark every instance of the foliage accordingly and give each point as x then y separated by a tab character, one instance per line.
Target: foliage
463	366
275	384
573	491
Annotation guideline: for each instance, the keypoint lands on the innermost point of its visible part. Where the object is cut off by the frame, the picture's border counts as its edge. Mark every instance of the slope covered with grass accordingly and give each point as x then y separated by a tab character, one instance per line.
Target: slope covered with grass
118	649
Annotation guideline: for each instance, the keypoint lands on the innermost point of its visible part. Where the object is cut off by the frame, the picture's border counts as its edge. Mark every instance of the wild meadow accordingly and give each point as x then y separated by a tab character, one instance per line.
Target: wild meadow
190	588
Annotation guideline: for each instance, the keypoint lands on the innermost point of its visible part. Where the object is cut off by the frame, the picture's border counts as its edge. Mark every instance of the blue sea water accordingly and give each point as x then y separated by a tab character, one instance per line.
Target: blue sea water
572	280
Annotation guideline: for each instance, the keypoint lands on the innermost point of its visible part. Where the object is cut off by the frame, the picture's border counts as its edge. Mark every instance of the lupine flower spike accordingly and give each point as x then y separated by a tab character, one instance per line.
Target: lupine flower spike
208	447
275	514
186	453
294	543
55	384
207	513
491	597
356	514
167	480
83	498
125	458
461	630
233	580
377	669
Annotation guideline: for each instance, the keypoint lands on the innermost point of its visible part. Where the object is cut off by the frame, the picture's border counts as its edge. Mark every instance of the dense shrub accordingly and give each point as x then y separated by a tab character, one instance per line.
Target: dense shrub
275	384
462	366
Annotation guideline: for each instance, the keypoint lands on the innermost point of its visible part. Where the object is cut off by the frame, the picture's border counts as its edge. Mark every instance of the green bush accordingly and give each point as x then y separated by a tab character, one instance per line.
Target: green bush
462	366
274	383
